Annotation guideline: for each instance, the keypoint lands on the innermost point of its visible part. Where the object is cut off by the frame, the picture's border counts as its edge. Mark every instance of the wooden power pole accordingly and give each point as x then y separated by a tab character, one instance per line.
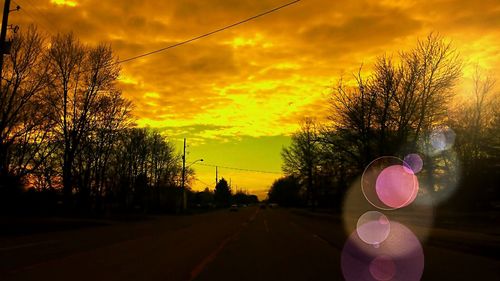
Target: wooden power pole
184	199
3	34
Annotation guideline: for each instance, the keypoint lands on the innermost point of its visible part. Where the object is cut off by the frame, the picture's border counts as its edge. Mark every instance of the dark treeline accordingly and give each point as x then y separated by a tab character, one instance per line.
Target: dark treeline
67	135
399	109
222	197
68	142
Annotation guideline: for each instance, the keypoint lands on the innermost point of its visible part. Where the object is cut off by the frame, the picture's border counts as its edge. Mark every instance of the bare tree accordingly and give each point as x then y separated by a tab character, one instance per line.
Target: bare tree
430	72
301	159
92	162
80	75
24	120
473	120
353	112
389	112
397	105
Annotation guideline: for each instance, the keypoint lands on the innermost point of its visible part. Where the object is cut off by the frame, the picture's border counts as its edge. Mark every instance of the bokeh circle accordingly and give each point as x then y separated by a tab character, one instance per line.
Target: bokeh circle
440	139
399	257
382	268
396	186
388	184
414	162
373	227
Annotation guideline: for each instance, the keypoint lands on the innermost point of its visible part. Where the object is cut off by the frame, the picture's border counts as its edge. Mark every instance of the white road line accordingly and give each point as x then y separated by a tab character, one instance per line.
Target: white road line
320	238
26	245
198	269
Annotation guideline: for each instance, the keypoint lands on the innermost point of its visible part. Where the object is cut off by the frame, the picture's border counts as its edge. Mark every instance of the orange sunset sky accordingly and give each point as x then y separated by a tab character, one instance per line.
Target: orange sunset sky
239	94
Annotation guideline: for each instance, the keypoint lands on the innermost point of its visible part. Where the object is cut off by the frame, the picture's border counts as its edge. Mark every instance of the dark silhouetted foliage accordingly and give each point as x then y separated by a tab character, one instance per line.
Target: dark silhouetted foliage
222	194
395	111
286	192
243	198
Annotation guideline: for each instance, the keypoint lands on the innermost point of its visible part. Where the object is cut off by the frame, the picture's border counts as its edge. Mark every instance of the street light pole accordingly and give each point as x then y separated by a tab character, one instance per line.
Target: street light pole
184	201
183	180
3	33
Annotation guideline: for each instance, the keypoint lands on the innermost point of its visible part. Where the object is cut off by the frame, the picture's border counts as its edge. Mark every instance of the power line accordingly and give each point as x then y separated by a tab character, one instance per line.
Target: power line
35	20
239	169
41	13
207	185
37	11
209	33
199	36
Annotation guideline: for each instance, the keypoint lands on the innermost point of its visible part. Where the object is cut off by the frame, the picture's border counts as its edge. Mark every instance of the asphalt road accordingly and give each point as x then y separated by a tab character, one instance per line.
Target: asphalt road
251	244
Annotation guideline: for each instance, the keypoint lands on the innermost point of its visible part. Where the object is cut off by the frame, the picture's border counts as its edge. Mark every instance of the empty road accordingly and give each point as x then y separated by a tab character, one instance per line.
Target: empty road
250	244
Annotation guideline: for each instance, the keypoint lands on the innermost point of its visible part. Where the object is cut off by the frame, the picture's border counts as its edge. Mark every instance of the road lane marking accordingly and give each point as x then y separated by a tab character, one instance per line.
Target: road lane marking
317	236
26	245
320	239
208	259
79	253
265	224
254	215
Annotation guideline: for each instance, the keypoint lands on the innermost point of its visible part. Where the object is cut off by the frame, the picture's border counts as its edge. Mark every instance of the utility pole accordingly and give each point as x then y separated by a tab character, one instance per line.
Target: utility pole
184	201
3	34
216	176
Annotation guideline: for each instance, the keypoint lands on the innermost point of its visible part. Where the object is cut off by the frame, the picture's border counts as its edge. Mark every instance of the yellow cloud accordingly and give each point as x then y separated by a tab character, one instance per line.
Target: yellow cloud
259	79
240	42
153	95
64	3
127	79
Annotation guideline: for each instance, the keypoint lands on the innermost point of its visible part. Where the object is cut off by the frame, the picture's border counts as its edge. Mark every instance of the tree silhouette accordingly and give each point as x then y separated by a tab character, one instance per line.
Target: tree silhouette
301	159
66	129
222	194
393	111
242	197
477	127
286	192
80	75
24	120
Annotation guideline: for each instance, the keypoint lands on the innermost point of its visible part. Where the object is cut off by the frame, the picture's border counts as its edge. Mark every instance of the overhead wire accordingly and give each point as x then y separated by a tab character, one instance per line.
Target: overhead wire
238	169
192	39
44	25
207	185
209	33
41	14
183	43
189	41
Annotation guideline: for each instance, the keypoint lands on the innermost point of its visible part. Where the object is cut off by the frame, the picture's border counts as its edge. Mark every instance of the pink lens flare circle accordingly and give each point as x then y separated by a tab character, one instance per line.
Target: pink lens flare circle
414	162
389	183
373	227
396	186
382	268
399	257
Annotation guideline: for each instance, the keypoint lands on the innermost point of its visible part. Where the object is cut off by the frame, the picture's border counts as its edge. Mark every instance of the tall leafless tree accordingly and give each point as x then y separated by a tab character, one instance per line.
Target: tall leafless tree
24	120
80	75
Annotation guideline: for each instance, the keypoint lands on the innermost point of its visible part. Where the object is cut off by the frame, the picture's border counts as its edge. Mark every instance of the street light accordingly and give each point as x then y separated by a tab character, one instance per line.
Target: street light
199	160
184	199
